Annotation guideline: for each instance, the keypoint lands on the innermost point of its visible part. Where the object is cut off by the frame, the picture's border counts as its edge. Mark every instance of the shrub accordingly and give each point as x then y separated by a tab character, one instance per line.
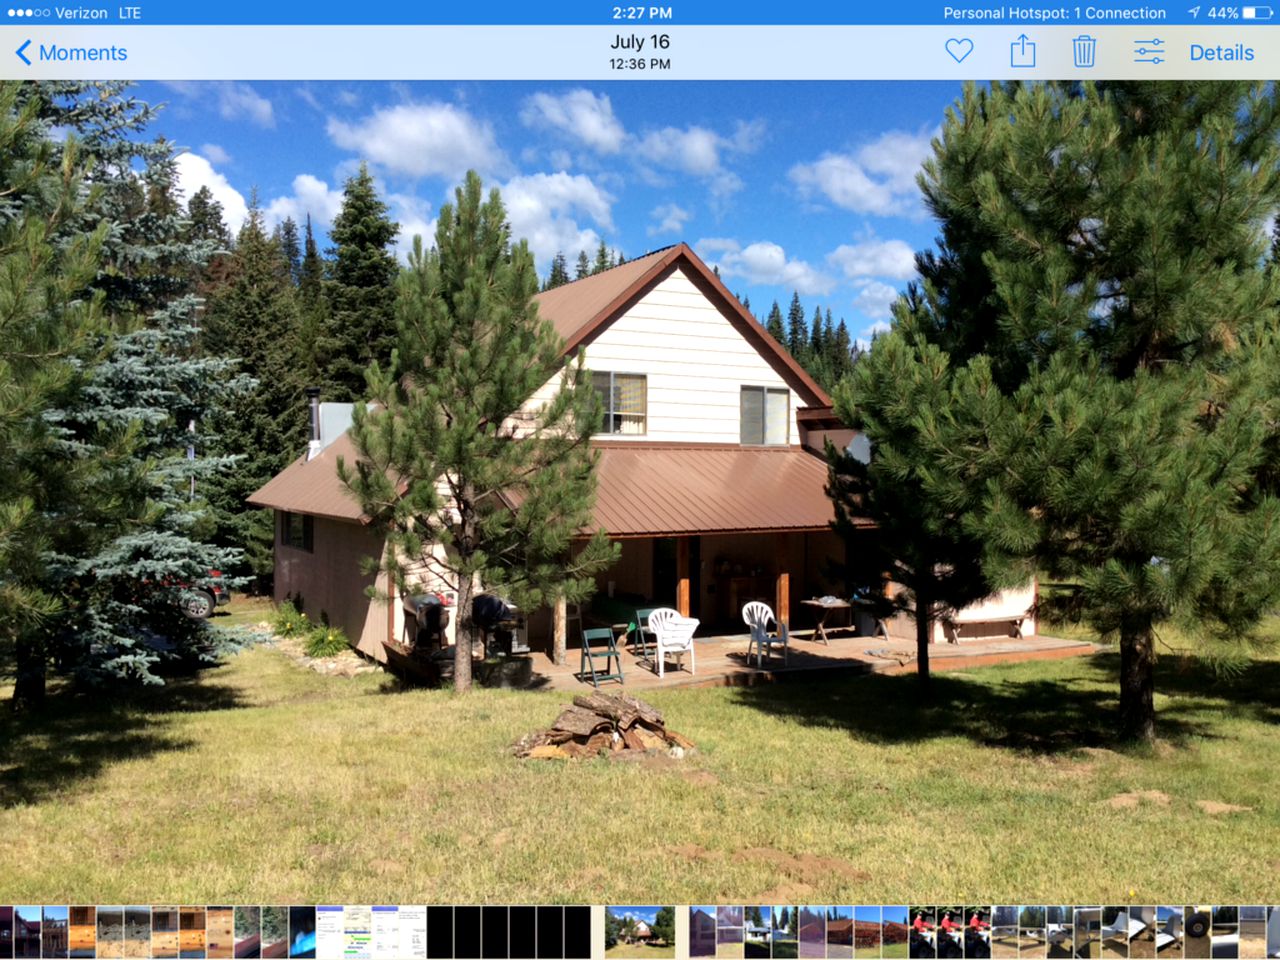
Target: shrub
289	622
326	642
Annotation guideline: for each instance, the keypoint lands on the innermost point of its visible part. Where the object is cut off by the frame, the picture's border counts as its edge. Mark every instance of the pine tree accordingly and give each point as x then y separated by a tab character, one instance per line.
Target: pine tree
842	352
207	220
559	274
797	335
257	315
49	330
921	560
124	531
584	266
360	325
774	324
746	305
603	261
472	350
286	237
312	308
817	342
1110	412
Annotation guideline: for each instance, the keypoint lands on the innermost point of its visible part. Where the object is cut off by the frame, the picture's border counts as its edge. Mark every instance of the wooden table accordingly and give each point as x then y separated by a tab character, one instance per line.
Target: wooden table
824	610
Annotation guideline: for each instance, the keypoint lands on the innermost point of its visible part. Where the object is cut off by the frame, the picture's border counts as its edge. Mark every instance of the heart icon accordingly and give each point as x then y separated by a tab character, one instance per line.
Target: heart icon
959	49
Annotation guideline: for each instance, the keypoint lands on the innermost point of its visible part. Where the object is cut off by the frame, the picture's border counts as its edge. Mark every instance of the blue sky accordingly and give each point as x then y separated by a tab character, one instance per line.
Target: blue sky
785	186
645	914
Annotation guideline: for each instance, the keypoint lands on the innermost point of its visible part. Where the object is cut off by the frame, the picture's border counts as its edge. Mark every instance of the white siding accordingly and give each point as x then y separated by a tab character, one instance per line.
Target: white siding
696	363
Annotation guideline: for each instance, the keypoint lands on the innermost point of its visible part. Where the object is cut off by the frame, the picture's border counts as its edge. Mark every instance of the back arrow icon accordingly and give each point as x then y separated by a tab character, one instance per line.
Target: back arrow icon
22	55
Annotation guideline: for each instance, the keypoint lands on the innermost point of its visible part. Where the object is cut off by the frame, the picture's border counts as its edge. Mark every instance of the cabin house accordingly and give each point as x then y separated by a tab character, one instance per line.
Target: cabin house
711	472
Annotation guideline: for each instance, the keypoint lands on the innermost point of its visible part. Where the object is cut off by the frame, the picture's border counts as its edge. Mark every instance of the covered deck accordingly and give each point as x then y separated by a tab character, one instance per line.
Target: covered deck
721	661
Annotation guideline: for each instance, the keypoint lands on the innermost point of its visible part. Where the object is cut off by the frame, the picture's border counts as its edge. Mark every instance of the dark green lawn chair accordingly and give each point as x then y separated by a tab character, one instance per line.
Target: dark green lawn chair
589	657
638	629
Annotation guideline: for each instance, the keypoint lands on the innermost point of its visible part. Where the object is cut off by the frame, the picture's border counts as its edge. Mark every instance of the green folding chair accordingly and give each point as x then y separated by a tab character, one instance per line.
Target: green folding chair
643	635
589	657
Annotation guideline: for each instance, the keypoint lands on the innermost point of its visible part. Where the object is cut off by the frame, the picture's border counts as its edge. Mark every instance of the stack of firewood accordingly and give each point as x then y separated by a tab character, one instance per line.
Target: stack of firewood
602	723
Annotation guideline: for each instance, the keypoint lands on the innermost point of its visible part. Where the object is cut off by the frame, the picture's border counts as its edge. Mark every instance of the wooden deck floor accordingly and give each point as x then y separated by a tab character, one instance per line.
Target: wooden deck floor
722	661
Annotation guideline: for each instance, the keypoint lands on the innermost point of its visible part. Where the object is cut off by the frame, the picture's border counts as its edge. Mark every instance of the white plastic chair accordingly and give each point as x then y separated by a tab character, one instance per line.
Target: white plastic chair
758	616
672	633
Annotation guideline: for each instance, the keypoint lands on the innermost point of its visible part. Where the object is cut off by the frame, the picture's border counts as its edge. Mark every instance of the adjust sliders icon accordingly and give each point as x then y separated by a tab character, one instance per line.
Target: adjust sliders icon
1148	51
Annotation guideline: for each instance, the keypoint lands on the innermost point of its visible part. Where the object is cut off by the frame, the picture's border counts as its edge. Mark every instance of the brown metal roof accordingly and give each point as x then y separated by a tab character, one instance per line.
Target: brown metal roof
654	489
574	305
312	486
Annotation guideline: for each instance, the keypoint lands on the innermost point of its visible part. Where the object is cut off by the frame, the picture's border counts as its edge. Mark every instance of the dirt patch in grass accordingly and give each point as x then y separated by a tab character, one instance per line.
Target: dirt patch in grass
806	867
1216	808
786	893
1131	801
691	851
701	778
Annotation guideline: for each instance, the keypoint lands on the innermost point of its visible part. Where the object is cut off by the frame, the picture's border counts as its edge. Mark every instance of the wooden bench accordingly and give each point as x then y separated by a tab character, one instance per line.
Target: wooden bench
964	618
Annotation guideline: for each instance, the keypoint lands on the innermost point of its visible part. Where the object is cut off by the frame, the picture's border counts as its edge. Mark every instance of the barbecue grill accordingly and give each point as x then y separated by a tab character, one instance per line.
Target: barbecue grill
502	624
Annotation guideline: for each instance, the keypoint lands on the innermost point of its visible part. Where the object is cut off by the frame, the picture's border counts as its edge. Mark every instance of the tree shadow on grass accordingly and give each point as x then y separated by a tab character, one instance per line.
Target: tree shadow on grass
1073	710
75	736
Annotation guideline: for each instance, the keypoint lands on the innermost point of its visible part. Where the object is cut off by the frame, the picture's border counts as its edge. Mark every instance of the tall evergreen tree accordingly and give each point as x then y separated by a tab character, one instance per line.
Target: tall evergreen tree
841	352
817	341
472	351
48	330
603	261
559	274
1098	293
583	268
774	324
360	325
286	236
921	559
257	315
207	220
797	335
312	307
125	532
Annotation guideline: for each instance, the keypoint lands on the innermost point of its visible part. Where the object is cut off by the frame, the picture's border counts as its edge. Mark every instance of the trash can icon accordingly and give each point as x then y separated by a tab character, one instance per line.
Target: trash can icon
1085	48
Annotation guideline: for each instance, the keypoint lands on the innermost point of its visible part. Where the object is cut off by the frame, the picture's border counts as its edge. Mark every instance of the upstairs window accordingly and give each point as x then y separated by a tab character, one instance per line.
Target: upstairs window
625	397
766	416
297	530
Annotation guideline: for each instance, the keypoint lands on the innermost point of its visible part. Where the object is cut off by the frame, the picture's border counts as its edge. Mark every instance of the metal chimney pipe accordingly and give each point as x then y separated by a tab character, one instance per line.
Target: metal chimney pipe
313	401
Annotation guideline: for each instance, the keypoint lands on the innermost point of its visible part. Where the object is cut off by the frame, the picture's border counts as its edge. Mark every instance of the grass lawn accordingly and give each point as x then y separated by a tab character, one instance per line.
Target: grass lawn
638	951
895	951
261	782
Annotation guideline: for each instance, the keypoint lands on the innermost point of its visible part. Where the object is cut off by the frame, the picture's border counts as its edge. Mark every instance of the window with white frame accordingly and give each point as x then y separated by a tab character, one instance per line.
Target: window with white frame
625	397
766	415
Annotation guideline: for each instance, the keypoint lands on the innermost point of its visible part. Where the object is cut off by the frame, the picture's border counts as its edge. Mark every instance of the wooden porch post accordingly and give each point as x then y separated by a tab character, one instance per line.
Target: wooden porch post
782	598
682	576
559	630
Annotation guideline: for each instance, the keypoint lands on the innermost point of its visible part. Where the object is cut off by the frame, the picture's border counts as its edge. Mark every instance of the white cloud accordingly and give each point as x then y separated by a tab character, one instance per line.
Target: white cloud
878	178
708	247
668	218
766	263
233	100
414	216
311	195
215	154
874	258
876	300
543	208
195	171
425	139
700	152
582	115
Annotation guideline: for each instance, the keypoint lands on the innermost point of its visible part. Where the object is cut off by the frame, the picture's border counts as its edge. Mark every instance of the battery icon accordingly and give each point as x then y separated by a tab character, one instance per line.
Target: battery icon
1255	13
